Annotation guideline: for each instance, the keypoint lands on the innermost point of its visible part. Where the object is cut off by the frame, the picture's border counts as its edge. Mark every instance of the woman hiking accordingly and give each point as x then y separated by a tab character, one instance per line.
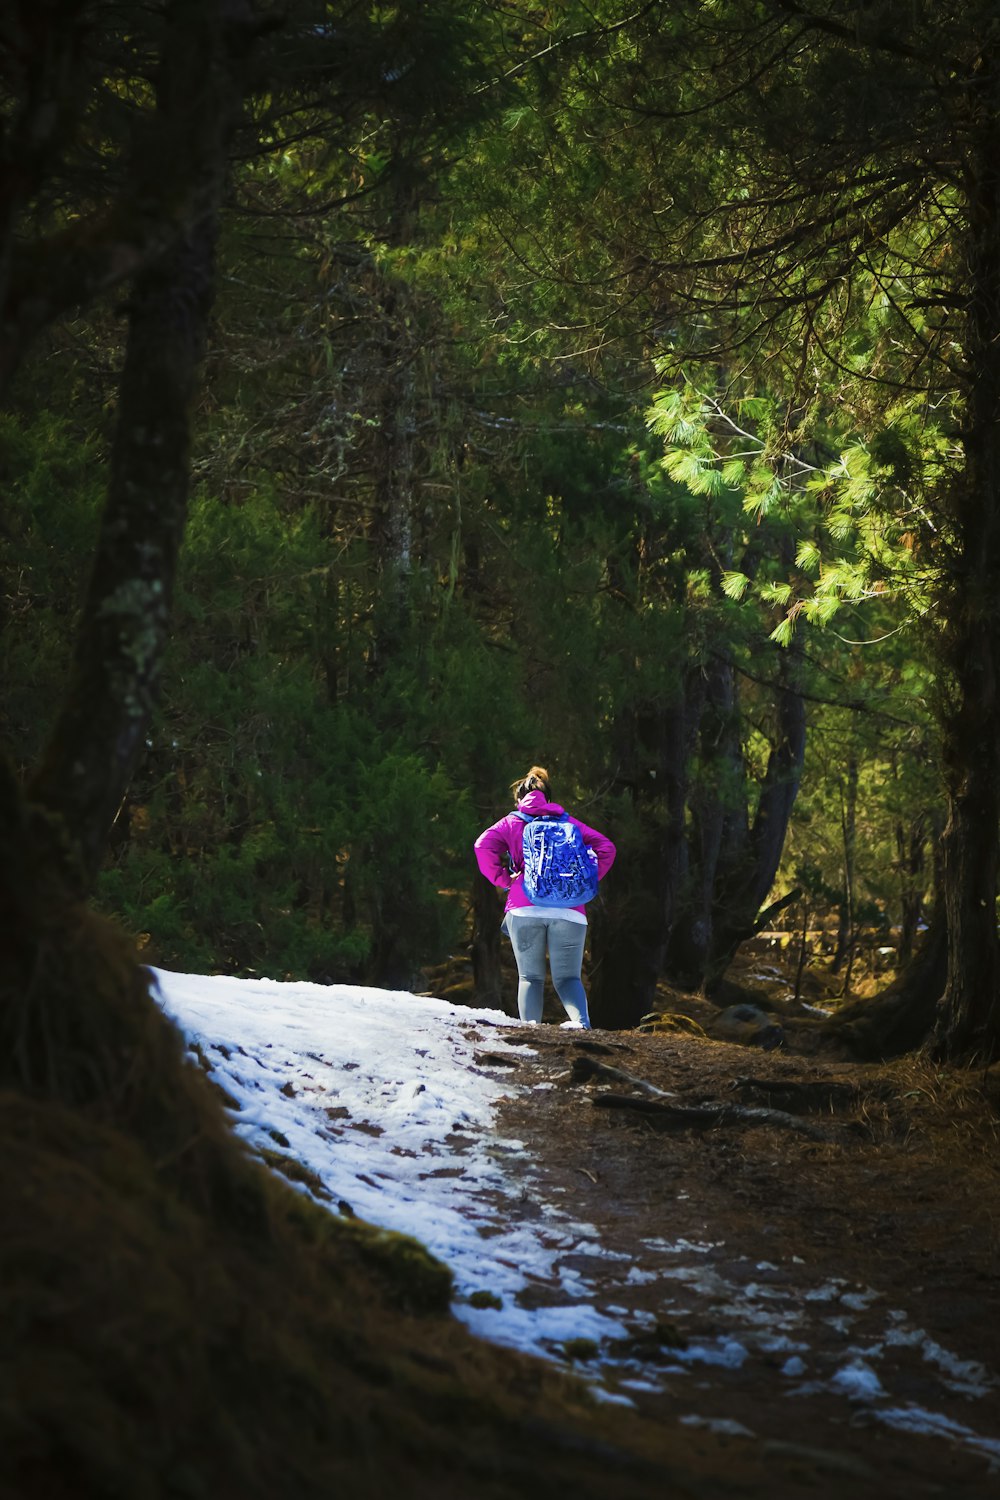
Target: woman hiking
533	923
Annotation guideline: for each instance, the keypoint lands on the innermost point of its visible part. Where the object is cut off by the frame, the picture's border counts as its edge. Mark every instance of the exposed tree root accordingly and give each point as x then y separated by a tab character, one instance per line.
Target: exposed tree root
585	1069
901	1018
709	1116
651	1105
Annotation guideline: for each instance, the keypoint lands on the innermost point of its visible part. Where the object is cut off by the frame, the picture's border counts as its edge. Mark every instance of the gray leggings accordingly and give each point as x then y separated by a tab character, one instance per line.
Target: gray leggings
529	938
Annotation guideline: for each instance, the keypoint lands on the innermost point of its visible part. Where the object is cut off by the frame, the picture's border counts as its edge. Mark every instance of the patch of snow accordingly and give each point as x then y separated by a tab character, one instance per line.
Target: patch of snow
916	1419
754	1292
782	1345
857	1381
727	1352
680	1247
828	1292
873	1351
966	1376
700	1278
542	1330
859	1301
724	1426
610	1398
373	1090
905	1338
760	1317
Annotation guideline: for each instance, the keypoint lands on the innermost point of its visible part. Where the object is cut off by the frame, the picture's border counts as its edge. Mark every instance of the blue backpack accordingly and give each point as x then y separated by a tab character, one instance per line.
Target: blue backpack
559	869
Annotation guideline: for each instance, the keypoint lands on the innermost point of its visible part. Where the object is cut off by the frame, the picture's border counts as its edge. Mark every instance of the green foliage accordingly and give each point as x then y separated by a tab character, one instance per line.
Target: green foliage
457	313
858	534
891	734
273	824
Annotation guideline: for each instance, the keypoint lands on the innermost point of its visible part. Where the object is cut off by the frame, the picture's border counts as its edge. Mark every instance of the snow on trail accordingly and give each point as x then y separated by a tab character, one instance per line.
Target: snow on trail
385	1096
379	1094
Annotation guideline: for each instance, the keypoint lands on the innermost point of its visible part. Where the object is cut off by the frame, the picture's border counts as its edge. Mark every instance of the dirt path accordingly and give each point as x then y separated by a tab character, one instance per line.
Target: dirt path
828	1300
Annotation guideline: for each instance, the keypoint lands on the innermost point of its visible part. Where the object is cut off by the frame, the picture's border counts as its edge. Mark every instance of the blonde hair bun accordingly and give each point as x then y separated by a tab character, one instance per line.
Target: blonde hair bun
534	780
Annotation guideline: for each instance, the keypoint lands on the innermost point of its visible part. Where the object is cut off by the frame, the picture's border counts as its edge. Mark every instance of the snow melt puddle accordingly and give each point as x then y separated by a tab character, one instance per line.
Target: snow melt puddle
382	1095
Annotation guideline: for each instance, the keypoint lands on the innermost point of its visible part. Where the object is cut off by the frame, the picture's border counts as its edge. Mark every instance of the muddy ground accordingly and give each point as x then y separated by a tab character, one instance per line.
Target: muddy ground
819	1286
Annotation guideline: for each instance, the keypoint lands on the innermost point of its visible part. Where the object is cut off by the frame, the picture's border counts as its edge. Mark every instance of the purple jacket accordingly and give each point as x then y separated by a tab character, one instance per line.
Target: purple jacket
506	839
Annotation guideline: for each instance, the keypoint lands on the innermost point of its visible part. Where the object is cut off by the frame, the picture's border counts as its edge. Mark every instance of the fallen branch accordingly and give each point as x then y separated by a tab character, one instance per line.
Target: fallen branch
585	1069
708	1116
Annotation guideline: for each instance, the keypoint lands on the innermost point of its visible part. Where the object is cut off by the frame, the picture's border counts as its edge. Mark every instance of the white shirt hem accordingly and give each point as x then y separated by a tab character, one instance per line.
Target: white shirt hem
563	913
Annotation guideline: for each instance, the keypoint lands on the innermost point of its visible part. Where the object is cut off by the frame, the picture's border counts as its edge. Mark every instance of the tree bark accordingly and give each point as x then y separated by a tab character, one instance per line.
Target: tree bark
690	888
718	822
911	842
743	884
485	947
394	457
631	920
969	1021
901	1017
100	732
846	927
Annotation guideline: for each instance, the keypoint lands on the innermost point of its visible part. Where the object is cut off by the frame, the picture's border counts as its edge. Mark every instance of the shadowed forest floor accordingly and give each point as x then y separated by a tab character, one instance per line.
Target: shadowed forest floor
826	1300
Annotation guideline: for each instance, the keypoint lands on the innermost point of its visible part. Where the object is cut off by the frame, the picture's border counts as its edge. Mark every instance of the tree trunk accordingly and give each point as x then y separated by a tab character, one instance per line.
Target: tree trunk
910	845
901	1017
101	729
969	1021
718	822
394	463
395	452
969	1025
485	948
846	935
803	952
743	886
627	946
632	919
99	735
689	890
